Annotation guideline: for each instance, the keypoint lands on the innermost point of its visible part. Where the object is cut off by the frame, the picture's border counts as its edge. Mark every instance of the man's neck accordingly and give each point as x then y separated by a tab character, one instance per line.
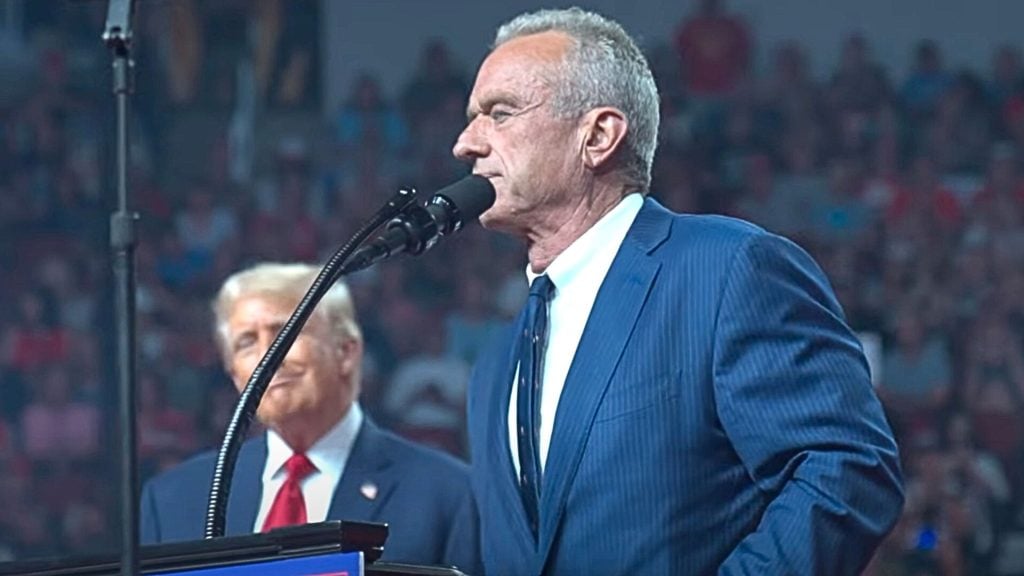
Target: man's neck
300	434
564	228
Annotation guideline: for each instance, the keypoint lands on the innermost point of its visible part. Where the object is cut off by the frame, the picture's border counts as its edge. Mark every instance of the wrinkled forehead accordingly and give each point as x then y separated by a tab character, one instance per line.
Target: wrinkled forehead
261	307
260	311
528	61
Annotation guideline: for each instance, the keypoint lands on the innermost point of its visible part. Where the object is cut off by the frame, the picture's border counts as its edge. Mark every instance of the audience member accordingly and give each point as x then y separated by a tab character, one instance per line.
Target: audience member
715	51
928	80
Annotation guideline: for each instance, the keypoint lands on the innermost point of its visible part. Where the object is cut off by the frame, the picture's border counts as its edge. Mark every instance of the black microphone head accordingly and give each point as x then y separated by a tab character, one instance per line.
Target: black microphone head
469	197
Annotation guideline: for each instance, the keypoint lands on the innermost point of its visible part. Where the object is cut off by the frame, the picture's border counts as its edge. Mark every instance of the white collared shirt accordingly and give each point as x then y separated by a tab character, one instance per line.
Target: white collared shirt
329	454
577	273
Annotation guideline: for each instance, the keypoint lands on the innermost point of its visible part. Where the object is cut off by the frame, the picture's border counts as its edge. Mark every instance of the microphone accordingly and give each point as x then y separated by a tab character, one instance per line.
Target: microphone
420	227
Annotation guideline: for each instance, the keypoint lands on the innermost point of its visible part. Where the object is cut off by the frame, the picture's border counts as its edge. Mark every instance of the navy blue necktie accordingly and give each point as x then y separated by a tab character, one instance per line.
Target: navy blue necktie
533	339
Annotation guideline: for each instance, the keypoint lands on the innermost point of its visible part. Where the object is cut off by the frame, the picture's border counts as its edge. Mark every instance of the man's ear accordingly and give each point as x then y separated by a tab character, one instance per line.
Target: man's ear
604	130
350	351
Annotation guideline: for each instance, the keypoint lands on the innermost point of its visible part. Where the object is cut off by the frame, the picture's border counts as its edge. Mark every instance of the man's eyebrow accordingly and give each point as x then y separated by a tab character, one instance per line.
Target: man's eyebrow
235	336
491	100
275	325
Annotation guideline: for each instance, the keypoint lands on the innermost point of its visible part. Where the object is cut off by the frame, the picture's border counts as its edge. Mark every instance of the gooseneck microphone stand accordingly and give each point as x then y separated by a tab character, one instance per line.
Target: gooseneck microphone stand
118	38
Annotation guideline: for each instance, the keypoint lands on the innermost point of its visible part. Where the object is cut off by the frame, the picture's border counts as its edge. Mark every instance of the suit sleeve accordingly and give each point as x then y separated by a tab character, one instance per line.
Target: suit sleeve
149	524
794	395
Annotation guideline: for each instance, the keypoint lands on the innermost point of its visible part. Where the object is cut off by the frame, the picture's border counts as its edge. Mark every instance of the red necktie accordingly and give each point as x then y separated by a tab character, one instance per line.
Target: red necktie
289	506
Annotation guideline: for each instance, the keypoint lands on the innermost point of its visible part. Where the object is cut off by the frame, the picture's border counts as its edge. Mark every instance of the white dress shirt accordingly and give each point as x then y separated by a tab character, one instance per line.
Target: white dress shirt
577	273
329	454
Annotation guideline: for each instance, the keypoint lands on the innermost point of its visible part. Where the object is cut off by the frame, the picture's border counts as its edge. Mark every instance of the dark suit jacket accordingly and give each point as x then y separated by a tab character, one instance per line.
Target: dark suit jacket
718	417
422	494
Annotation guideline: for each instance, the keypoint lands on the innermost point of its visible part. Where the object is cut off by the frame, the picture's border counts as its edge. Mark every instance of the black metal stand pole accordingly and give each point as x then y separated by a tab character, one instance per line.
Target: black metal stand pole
118	37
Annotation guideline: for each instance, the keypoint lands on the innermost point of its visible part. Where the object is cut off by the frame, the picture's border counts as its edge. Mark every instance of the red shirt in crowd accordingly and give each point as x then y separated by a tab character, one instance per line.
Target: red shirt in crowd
715	52
943	205
32	349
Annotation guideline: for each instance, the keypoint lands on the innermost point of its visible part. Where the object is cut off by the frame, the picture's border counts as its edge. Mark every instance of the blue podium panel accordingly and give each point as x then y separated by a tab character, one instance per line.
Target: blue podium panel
331	564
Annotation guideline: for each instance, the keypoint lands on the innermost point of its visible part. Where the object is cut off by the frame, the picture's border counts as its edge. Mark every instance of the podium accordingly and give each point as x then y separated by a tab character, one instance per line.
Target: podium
336	548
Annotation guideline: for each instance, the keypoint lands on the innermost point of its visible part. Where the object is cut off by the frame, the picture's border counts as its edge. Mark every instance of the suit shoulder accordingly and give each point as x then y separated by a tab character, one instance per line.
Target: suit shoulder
197	466
196	471
718	228
722	235
422	459
690	230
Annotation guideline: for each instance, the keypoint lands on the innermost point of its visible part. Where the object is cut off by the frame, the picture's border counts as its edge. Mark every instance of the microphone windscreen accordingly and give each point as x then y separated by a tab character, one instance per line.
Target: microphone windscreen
472	196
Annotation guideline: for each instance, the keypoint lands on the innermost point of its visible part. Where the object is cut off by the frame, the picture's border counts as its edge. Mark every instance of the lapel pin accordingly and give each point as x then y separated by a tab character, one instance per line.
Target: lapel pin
368	490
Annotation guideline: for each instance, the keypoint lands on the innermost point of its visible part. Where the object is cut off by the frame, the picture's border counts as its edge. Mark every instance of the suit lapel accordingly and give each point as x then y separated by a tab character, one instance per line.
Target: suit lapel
247	487
365	484
619	301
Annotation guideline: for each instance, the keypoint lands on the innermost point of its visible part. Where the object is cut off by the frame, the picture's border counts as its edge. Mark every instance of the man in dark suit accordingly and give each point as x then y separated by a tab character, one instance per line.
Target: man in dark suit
321	457
681	394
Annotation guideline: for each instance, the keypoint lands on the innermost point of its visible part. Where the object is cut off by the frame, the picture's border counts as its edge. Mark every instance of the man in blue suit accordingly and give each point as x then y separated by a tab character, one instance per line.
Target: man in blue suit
321	457
681	394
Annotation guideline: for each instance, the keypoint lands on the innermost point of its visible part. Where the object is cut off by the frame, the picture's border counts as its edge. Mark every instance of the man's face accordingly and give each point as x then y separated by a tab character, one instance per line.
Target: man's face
514	138
315	382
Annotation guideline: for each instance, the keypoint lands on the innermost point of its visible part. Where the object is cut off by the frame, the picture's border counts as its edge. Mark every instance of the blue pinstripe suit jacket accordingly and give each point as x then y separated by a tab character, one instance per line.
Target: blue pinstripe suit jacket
718	417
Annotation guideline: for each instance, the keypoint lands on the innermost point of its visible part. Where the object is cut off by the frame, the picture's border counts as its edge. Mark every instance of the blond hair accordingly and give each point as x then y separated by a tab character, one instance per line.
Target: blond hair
287	283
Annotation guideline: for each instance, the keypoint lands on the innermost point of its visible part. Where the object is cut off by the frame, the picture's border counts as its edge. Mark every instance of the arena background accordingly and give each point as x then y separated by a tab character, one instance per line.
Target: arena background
885	137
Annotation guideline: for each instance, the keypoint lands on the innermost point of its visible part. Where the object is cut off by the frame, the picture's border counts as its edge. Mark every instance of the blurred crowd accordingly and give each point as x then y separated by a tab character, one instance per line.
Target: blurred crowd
908	190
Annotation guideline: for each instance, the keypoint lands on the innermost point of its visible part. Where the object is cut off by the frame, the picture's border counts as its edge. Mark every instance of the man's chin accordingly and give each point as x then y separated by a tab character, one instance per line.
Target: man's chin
486	222
277	414
495	219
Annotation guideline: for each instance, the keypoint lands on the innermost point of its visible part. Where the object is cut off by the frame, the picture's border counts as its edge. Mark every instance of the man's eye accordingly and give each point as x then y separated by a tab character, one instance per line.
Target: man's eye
500	115
243	342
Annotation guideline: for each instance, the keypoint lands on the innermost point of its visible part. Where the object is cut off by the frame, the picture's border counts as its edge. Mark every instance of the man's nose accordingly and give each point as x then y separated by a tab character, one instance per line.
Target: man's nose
470	145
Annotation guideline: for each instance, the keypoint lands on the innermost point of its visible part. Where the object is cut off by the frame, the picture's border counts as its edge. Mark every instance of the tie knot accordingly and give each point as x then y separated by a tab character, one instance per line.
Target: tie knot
542	286
298	467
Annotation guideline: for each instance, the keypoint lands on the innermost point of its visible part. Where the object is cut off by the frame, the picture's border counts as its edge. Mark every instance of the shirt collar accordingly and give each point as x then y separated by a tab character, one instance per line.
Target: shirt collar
574	263
328	454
